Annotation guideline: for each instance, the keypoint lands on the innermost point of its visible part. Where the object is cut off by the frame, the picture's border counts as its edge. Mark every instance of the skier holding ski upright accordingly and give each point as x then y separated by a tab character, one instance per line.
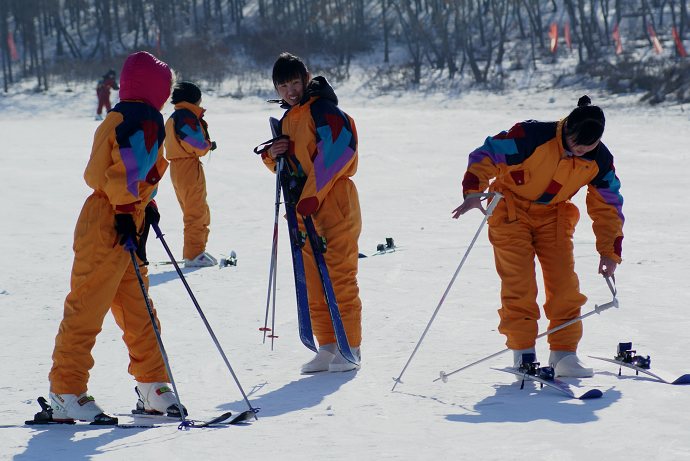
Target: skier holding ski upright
124	169
320	145
538	167
186	141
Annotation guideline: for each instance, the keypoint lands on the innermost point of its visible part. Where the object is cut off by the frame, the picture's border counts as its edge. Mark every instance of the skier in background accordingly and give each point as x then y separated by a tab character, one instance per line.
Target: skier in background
186	140
124	169
538	167
103	92
320	142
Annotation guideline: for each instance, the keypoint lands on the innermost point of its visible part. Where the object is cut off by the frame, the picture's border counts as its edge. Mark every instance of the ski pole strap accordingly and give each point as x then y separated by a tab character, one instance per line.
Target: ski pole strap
611	282
264	146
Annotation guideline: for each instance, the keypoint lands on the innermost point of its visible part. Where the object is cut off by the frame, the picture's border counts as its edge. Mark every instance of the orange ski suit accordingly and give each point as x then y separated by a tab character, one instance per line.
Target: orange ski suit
186	139
323	149
124	169
537	177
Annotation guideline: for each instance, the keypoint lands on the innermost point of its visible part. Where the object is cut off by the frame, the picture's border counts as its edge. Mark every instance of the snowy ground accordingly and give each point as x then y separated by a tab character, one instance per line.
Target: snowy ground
413	152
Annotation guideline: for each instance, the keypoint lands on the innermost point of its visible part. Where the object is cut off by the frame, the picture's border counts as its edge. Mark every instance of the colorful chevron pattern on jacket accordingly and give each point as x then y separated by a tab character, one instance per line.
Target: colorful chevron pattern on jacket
530	161
335	141
139	137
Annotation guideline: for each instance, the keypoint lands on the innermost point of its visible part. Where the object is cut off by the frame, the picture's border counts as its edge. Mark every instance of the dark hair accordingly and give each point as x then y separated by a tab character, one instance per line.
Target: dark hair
288	67
585	123
186	91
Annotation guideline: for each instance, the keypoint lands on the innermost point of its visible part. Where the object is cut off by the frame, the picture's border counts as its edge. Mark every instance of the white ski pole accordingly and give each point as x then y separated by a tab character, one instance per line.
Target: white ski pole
443	376
489	210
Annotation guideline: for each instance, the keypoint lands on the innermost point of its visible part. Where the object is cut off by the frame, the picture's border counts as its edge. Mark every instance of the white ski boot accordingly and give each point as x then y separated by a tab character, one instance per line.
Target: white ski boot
202	260
517	356
340	363
157	398
568	364
83	407
321	361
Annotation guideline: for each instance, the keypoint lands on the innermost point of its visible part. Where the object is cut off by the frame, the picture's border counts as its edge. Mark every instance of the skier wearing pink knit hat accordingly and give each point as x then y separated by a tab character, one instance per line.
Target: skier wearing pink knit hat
124	169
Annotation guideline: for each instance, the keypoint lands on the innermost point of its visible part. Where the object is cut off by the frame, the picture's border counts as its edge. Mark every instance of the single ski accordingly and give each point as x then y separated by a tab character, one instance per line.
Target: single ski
223	419
628	358
383	248
553	383
546	376
288	184
318	246
165	263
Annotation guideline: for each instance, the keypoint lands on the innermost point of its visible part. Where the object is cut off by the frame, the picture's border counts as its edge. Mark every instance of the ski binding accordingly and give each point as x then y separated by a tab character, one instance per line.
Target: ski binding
231	260
627	357
531	371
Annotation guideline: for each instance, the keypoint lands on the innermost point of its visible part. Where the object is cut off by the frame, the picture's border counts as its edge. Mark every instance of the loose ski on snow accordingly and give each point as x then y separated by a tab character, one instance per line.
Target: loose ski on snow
383	248
627	357
531	371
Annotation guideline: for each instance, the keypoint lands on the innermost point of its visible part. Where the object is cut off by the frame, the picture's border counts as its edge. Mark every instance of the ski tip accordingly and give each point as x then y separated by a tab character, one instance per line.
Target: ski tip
685	379
243	417
591	394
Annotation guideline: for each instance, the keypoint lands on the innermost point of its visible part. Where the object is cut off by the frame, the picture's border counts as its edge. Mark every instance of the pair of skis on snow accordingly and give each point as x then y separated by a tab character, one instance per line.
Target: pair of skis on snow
289	184
45	418
625	358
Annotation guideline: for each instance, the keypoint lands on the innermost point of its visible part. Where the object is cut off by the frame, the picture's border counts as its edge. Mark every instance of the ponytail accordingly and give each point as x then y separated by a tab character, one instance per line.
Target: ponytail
585	124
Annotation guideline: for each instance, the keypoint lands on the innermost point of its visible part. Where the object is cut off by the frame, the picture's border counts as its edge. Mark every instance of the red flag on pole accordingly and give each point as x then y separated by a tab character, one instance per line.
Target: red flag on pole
553	35
566	34
655	40
617	39
12	47
679	43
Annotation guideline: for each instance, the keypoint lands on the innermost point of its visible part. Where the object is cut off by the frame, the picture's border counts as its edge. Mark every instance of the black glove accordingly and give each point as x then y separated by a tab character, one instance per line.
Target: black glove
151	216
125	228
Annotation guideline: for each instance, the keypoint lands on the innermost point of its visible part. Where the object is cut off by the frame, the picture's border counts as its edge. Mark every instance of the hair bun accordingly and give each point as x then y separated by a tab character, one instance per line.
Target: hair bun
584	101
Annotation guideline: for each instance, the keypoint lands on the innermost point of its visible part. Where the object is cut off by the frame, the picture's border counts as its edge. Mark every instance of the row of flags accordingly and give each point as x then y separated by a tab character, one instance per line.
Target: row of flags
14	55
553	40
617	41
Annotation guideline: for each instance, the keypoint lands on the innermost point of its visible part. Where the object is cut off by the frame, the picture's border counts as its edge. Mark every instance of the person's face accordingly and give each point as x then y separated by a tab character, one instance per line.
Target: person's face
578	150
291	91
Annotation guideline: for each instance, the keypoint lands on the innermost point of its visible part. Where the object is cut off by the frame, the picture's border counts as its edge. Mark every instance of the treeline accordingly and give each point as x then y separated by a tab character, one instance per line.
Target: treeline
214	39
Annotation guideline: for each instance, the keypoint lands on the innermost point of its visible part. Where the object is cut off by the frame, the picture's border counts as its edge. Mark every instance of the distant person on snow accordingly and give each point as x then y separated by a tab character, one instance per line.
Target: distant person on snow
316	146
103	92
186	141
124	169
538	167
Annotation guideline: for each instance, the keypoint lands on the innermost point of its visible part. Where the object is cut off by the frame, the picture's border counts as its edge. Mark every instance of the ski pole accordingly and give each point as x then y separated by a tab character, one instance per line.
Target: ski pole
273	268
131	247
159	236
489	210
443	376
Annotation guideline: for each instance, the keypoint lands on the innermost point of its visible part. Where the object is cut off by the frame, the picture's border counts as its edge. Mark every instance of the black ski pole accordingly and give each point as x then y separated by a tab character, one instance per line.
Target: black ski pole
159	235
131	247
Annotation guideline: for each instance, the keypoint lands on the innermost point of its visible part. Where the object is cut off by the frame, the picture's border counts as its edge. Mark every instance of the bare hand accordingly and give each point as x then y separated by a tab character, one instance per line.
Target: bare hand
607	266
467	205
279	147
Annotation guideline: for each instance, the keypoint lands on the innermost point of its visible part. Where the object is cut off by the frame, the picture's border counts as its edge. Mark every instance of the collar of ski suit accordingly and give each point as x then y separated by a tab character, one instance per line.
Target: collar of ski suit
193	108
